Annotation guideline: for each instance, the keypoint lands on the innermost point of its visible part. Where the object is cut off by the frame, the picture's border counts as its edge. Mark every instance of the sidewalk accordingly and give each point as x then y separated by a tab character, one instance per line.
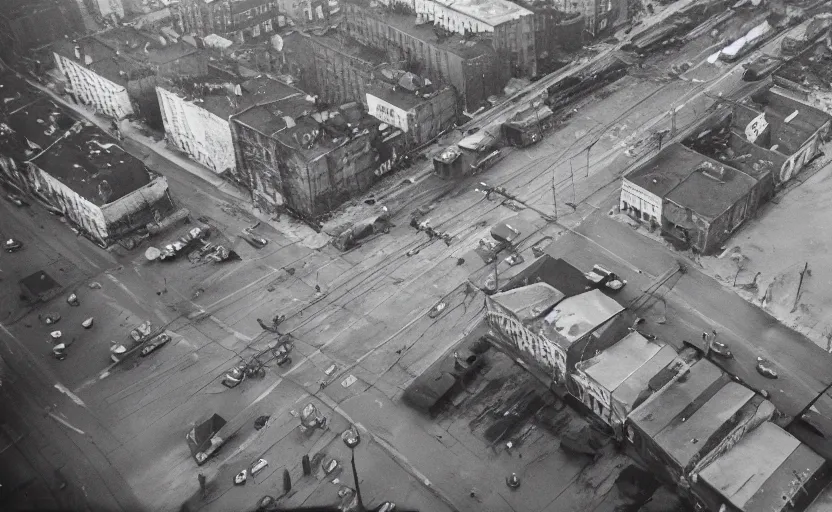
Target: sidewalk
296	231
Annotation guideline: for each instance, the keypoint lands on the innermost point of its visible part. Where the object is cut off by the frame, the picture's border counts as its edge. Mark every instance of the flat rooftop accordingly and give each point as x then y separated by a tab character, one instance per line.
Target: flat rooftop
405	99
575	317
759	472
81	156
490	12
666	170
710	194
529	302
685	415
626	368
350	46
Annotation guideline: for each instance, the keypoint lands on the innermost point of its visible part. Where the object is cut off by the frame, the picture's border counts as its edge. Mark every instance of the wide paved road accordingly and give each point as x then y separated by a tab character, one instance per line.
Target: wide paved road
368	297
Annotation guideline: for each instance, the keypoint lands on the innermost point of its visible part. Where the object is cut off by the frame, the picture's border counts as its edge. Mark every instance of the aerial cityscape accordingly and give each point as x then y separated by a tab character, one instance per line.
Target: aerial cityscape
416	255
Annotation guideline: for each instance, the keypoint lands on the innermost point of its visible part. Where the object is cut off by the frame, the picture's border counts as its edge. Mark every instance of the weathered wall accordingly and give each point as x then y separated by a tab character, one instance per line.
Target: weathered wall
432	117
339	78
475	78
643	200
341	174
87	216
261	162
536	349
137	209
90	88
515	42
135	201
203	136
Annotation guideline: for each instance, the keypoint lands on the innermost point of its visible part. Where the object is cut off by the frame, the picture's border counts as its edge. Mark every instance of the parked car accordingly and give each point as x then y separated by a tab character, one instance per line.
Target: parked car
256	241
157	341
603	277
12	245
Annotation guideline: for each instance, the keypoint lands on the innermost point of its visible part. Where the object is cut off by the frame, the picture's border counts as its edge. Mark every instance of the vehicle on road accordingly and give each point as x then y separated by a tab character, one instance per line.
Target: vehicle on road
16	199
142	332
184	243
256	366
600	276
349	237
12	245
256	241
156	342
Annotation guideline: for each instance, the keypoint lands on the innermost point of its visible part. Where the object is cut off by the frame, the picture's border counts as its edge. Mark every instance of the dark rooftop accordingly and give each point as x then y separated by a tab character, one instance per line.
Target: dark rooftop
666	170
404	99
81	156
711	190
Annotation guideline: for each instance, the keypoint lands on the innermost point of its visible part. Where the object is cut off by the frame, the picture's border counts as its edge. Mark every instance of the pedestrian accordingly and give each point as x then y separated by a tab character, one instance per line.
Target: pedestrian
202	486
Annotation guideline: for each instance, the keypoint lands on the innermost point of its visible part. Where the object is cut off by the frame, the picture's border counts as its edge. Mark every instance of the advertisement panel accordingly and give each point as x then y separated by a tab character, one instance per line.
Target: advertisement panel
387	113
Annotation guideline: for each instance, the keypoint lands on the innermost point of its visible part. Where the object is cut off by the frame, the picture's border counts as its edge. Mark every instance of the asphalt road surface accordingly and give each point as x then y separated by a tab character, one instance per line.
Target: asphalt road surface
119	432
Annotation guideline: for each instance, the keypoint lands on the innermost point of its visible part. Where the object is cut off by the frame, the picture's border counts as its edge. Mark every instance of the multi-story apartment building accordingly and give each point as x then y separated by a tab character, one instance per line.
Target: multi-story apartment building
240	21
472	66
115	71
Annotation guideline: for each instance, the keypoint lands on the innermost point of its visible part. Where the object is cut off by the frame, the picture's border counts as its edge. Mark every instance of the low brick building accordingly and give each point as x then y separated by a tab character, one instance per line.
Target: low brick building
75	169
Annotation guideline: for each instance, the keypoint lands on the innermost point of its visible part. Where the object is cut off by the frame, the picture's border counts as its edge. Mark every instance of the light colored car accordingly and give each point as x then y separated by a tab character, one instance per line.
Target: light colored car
603	277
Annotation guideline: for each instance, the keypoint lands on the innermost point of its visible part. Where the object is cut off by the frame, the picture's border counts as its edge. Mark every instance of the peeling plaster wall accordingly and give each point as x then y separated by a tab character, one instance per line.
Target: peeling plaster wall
85	214
92	89
203	136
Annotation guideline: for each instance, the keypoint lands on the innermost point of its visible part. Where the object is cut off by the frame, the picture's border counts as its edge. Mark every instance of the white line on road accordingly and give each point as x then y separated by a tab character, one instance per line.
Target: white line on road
63	389
66	423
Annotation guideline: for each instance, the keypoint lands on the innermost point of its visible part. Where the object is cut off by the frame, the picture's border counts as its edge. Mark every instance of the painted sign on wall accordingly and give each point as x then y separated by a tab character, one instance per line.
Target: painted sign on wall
798	160
387	113
756	127
542	351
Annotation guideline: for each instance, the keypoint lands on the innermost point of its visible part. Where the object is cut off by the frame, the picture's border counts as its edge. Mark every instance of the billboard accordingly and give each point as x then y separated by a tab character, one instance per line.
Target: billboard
386	112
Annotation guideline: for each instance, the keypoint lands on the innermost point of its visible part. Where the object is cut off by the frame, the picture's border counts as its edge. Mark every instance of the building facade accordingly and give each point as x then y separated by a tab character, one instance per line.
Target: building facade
106	193
116	71
292	157
510	27
203	135
240	21
85	85
420	115
473	67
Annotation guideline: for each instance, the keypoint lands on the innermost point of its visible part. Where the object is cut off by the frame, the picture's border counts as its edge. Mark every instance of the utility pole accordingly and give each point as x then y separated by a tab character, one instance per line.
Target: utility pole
501	191
360	507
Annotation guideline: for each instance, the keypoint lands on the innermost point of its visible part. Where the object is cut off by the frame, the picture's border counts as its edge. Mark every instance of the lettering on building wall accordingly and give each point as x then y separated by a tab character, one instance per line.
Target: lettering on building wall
798	160
388	165
387	113
543	351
